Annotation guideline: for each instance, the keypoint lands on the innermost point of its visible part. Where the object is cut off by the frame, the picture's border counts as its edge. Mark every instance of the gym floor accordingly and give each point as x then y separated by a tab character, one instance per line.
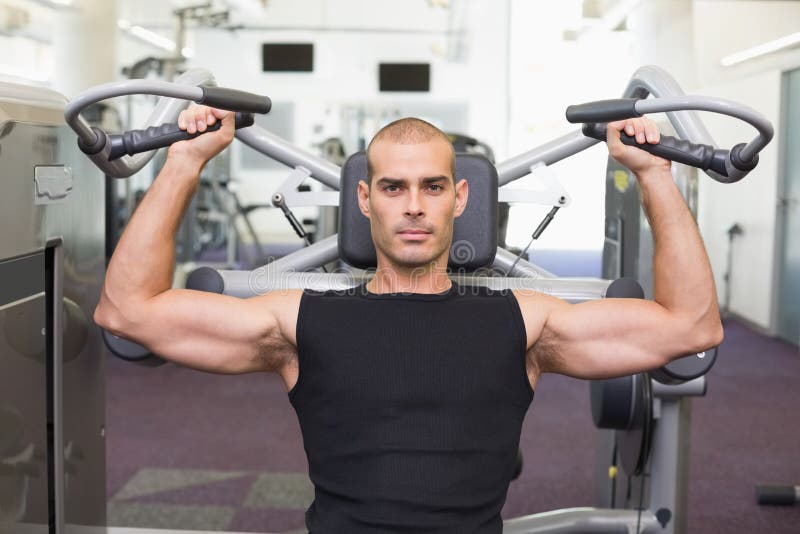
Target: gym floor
189	450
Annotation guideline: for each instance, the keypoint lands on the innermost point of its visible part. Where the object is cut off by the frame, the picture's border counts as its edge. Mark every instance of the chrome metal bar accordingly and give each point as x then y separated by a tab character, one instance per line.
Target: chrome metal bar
503	260
715	105
548	153
584	521
281	150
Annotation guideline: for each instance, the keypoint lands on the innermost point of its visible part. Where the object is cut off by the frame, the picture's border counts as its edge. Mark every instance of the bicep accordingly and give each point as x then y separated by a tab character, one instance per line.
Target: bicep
210	332
608	338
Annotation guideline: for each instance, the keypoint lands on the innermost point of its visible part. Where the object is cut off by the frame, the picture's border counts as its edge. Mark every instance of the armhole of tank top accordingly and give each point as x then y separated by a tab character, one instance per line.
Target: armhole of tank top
522	336
300	337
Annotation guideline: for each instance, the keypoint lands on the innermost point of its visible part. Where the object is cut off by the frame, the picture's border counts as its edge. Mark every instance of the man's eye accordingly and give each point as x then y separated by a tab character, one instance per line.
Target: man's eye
435	187
390	188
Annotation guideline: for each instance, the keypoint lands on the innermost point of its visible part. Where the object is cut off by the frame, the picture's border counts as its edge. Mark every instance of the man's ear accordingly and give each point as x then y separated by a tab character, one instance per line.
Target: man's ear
363	198
462	193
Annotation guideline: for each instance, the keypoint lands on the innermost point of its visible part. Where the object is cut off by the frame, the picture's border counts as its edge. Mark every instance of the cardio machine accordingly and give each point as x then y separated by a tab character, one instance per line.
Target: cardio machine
642	413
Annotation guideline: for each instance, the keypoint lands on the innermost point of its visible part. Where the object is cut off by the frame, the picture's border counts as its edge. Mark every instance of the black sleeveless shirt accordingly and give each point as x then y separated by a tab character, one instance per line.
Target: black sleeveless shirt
411	407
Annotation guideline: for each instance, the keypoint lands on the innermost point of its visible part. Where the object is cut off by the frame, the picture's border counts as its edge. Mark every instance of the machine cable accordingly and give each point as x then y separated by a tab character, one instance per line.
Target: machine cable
536	233
278	200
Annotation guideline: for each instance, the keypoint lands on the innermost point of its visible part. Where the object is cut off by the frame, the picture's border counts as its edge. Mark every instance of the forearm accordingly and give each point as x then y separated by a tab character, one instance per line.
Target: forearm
683	280
143	261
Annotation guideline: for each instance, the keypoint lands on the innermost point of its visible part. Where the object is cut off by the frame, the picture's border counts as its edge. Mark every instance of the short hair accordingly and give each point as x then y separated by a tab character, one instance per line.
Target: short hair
408	131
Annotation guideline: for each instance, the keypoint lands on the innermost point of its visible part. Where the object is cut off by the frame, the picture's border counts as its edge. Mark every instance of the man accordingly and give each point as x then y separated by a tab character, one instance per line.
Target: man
410	393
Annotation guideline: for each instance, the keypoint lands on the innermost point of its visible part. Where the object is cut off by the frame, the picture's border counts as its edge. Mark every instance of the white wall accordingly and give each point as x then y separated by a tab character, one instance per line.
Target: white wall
751	202
722	28
85	52
547	75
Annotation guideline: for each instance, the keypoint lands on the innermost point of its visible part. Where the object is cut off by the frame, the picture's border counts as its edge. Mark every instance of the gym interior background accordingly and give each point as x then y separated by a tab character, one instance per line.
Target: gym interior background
186	450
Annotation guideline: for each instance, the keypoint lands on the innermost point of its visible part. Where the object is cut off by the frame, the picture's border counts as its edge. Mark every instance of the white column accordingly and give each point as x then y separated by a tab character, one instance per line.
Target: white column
663	33
85	46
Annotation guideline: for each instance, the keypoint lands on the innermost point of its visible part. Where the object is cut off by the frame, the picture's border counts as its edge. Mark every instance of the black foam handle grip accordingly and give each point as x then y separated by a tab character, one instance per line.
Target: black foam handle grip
603	110
234	100
137	141
703	157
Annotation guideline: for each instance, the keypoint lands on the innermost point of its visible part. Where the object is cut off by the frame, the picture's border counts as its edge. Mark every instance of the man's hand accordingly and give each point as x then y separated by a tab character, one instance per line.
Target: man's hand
638	161
199	150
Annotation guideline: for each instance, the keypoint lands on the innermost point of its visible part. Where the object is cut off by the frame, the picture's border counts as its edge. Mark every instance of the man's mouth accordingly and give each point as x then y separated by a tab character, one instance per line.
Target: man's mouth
414	234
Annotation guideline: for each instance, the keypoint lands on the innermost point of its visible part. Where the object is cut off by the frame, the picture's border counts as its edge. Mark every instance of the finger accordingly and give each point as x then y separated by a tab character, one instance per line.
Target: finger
641	135
220	114
200	118
613	130
653	135
228	119
182	120
616	125
630	128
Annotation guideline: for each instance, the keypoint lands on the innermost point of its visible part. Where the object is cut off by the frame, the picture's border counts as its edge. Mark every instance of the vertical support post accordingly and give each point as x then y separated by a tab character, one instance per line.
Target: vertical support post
670	460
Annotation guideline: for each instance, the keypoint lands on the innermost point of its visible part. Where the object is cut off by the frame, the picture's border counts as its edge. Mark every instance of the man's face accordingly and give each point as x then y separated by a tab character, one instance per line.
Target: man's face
412	202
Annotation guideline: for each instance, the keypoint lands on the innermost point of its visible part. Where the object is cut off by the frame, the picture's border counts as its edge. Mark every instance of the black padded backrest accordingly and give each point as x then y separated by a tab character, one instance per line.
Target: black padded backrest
474	232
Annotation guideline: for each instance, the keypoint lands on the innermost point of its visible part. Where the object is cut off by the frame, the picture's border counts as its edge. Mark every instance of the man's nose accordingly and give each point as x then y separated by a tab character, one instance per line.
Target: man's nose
414	207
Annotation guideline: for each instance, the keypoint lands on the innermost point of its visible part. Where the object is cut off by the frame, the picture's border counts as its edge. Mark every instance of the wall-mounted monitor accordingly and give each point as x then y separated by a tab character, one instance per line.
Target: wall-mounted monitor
404	77
287	57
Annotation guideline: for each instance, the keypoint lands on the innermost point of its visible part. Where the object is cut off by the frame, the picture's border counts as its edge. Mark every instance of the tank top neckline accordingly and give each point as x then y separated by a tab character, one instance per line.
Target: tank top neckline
366	293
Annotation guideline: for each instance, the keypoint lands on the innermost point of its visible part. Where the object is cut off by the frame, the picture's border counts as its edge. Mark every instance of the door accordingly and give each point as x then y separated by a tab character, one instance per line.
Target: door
788	289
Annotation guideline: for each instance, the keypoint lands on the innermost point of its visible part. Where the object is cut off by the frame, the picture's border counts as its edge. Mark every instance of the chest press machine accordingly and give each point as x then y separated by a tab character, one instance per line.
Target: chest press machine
644	417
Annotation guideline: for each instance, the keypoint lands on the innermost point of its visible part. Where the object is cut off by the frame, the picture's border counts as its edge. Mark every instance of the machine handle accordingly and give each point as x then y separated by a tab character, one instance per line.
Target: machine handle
234	100
137	141
725	166
704	157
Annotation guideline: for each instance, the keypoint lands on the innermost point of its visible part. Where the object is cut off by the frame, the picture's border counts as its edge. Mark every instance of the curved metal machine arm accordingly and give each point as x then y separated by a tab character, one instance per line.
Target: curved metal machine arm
732	166
122	156
175	98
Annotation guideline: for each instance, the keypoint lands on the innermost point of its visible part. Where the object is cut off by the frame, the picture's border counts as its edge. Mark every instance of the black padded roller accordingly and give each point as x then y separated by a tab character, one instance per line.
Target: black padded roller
777	495
686	368
624	288
130	351
205	279
611	402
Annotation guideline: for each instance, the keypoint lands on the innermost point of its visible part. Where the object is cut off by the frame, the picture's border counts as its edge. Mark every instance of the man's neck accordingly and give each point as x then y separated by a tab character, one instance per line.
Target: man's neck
392	279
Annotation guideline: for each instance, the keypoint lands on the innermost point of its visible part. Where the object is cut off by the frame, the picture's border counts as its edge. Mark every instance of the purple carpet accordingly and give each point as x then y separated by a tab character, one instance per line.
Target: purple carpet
229	447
